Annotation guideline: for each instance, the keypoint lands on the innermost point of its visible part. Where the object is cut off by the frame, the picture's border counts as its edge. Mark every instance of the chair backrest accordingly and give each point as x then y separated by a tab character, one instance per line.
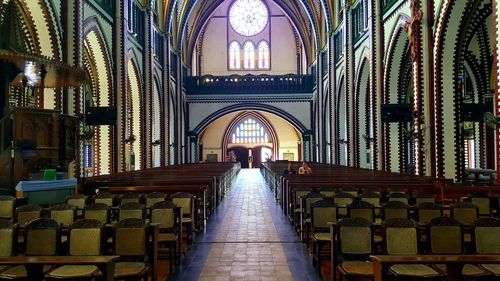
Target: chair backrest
328	191
483	203
42	237
401	237
163	213
104	198
371	197
131	210
310	198
77	200
395	209
154	197
131	238
373	190
427	211
86	238
355	236
7	204
445	235
63	214
323	212
397	196
361	209
8	235
351	190
486	234
129	197
424	198
27	213
97	211
465	212
342	199
184	200
299	193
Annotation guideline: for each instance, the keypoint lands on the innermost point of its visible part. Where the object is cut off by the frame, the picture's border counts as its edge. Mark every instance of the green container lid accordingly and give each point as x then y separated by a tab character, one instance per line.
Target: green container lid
50	175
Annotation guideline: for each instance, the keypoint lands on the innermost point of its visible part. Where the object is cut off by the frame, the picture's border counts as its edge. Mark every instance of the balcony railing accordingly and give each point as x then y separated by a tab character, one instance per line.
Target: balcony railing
249	84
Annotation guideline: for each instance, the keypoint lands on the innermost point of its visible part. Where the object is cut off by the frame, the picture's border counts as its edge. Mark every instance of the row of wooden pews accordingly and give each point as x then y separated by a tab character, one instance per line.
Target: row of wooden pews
325	187
208	182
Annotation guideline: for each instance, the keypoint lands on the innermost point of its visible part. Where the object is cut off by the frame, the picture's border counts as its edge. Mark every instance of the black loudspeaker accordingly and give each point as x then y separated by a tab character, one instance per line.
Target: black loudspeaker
475	111
100	116
395	112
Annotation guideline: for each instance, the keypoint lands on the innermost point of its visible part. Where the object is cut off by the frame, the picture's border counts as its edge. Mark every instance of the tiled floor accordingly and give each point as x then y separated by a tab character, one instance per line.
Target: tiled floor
247	239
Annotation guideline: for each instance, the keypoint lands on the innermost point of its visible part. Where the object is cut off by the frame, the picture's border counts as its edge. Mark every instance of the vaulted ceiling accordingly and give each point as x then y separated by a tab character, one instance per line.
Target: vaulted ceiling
185	19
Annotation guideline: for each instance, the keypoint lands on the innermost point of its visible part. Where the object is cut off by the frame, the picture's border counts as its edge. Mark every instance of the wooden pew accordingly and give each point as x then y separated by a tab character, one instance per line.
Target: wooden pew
454	263
34	264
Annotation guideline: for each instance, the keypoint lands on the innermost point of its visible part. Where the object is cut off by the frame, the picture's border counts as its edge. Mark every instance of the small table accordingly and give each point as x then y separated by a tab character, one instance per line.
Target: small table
454	263
34	264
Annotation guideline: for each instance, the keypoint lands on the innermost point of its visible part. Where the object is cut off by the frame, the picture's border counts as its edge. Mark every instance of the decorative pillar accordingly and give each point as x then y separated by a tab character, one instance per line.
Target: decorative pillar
350	66
376	32
332	95
120	75
496	71
147	98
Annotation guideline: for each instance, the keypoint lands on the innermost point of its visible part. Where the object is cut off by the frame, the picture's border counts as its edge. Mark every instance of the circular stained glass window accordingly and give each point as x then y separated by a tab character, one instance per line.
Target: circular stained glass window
248	17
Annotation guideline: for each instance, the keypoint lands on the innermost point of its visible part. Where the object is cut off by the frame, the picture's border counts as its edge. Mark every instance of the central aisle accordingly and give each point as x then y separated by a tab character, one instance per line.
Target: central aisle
247	239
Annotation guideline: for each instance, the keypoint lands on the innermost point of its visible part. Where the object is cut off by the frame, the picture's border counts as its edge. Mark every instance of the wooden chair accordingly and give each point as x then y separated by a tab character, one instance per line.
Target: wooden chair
361	209
63	213
342	199
7	205
402	238
131	210
446	237
328	192
27	213
373	198
97	211
8	234
154	197
186	201
104	198
424	198
78	201
43	238
85	239
130	197
395	209
164	213
305	216
486	242
131	244
323	212
401	197
483	203
465	212
354	246
426	211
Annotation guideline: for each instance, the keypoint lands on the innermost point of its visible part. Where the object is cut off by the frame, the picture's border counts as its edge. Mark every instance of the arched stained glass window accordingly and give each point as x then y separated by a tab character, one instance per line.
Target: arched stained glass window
263	49
249	54
234	55
248	17
250	131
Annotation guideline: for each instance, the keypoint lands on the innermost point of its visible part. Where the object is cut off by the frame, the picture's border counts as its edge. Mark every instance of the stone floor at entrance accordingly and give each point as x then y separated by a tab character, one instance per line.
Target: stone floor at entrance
248	238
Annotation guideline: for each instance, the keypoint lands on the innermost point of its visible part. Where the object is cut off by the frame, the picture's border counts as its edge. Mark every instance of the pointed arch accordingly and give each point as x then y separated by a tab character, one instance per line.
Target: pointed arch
248	55
132	115
252	115
97	63
363	129
234	55
263	55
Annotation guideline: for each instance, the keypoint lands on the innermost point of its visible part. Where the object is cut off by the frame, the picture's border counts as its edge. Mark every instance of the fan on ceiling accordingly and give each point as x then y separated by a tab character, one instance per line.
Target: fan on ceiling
491	120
